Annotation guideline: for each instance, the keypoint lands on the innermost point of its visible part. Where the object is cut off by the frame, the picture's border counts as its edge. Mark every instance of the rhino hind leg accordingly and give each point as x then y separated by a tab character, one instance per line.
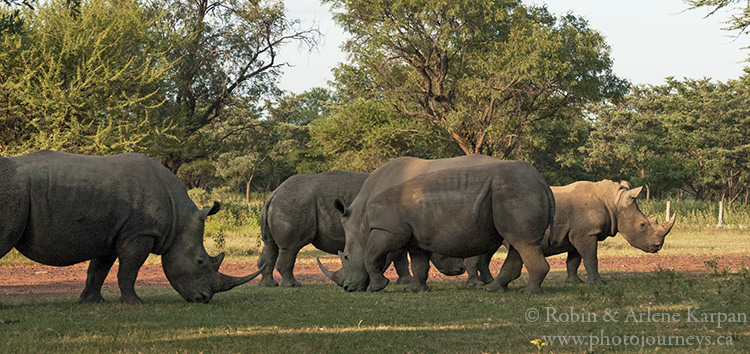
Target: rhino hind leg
268	257
96	274
132	255
536	265
285	266
510	271
401	264
572	263
420	266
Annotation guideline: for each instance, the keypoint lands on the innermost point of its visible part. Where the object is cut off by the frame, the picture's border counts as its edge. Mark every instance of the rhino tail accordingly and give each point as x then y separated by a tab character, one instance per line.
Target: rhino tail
552	206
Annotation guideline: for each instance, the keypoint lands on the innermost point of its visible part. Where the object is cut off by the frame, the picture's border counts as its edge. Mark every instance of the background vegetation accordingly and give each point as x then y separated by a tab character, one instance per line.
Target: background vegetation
194	85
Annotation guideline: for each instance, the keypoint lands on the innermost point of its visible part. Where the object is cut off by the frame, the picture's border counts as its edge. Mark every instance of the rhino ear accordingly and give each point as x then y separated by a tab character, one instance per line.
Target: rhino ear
633	193
339	204
206	212
625	184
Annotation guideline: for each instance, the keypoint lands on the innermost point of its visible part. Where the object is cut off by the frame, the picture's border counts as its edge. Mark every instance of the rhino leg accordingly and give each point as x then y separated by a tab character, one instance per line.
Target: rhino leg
132	255
268	257
536	265
472	269
509	272
401	264
96	274
285	266
587	247
572	263
420	266
478	268
483	266
379	244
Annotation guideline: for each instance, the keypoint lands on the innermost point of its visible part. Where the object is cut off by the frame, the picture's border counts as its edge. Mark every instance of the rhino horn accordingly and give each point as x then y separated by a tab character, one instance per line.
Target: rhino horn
216	261
666	227
334	276
227	282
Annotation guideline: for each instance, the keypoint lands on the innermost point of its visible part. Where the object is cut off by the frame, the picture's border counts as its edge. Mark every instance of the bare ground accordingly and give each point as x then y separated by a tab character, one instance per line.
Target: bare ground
39	281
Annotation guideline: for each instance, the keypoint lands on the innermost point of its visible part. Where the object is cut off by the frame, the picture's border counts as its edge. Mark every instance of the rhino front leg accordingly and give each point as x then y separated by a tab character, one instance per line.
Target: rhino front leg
268	257
96	274
478	268
132	255
571	264
420	266
285	266
379	244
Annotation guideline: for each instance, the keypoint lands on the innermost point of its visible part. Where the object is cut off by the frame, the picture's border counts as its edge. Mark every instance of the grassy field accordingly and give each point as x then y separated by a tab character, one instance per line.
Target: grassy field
662	311
658	311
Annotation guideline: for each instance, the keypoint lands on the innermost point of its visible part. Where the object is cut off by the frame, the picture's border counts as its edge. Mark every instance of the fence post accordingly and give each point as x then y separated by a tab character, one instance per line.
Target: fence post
721	213
668	207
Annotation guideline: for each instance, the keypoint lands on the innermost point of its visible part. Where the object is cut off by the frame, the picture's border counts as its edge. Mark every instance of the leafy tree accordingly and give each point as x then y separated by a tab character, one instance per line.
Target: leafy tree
226	52
11	19
361	136
687	134
81	81
478	72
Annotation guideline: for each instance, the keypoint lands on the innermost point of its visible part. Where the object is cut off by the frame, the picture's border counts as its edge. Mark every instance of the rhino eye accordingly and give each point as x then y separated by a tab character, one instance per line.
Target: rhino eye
643	224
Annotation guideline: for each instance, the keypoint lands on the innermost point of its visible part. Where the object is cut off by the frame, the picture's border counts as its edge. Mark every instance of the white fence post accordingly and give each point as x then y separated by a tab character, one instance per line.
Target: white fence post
668	207
721	213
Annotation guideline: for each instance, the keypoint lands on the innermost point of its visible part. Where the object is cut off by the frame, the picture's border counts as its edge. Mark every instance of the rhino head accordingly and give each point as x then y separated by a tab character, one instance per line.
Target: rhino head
641	232
353	275
188	267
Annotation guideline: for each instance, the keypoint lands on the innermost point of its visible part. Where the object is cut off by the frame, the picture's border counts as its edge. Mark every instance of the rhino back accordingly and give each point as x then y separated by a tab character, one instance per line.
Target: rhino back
303	206
82	206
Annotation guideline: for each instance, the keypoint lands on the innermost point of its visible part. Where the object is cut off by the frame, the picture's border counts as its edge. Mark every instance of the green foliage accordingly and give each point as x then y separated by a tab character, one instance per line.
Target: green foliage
687	134
360	136
478	72
81	82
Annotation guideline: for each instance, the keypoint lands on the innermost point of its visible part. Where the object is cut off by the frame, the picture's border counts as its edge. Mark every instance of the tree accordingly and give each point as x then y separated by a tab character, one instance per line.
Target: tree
479	72
687	134
226	52
360	136
81	80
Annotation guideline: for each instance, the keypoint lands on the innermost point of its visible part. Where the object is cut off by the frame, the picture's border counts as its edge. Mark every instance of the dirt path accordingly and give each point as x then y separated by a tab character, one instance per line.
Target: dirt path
38	281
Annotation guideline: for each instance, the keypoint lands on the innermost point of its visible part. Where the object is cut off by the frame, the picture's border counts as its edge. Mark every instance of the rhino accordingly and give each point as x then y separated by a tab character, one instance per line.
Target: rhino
301	212
458	207
61	209
589	212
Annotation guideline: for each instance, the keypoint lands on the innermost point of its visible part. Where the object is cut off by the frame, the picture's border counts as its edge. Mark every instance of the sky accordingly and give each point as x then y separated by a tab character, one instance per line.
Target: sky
650	40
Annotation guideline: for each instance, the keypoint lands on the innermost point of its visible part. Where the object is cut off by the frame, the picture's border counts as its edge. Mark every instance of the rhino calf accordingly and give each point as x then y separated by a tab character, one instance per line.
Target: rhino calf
587	213
301	212
61	209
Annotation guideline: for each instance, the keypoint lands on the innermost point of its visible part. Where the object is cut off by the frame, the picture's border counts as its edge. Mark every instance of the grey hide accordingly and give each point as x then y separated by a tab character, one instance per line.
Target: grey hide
301	212
458	207
61	209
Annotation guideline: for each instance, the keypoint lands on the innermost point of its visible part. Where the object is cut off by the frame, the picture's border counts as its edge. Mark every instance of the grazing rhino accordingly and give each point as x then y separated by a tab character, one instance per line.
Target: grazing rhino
301	211
458	207
61	209
589	212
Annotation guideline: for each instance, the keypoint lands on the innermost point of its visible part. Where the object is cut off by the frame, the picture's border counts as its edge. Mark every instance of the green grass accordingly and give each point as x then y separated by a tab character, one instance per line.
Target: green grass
449	319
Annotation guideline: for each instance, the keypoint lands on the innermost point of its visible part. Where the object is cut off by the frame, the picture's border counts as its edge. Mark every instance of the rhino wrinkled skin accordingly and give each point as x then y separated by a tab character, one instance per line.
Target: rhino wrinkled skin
589	212
301	212
458	207
61	209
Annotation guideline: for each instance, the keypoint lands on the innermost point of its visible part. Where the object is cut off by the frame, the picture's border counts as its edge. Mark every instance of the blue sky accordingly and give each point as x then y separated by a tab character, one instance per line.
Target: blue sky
650	41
